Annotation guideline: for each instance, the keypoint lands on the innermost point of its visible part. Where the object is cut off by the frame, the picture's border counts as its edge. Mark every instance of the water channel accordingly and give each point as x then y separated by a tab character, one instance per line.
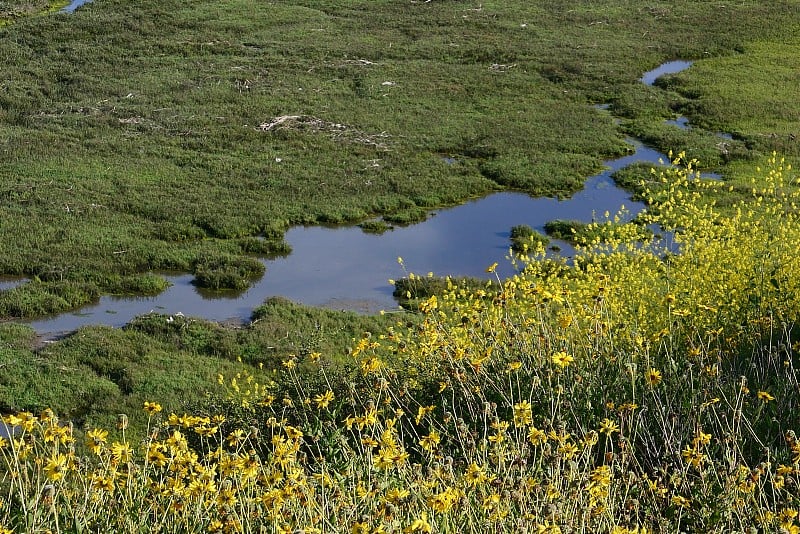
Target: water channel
75	4
345	268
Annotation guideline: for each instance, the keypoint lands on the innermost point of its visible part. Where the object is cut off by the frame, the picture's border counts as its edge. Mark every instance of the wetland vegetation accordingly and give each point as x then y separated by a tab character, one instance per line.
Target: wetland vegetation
524	238
150	137
632	390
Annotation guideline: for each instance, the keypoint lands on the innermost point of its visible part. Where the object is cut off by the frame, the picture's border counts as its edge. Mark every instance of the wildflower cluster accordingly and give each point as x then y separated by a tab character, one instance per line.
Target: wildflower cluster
640	389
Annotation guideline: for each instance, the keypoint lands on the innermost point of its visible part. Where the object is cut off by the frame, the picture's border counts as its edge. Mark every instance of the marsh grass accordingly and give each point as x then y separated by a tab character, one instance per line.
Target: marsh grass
580	233
375	227
97	372
524	239
130	147
12	10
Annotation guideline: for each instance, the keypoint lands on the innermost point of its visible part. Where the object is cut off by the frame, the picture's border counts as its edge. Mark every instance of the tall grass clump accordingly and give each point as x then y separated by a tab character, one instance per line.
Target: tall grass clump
642	388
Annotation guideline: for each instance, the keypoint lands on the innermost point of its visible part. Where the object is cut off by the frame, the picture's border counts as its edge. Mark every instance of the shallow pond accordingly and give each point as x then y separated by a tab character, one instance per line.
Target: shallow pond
345	268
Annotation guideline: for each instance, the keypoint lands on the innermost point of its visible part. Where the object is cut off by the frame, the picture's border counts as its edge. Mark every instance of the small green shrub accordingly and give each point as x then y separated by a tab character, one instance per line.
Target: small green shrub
525	239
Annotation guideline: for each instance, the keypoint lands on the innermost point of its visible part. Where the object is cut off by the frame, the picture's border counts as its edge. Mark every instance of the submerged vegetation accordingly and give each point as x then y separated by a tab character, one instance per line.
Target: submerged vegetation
633	391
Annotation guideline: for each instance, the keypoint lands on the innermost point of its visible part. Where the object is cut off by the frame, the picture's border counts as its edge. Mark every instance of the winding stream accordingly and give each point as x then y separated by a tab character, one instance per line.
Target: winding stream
345	268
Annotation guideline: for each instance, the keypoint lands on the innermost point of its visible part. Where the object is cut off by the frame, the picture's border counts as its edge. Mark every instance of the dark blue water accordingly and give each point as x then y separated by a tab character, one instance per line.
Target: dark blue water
345	268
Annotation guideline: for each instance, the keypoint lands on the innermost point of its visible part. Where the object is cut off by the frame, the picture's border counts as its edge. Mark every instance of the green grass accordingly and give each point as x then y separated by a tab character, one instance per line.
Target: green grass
751	94
98	372
140	146
524	238
10	11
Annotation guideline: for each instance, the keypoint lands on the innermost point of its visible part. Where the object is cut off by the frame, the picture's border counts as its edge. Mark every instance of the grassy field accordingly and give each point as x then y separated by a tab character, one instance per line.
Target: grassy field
154	136
137	137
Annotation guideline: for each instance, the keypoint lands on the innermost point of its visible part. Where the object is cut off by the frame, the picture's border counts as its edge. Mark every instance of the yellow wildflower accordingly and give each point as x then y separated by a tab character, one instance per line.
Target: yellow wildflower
56	467
681	502
152	408
95	439
323	400
608	427
693	457
562	359
383	460
396	495
568	450
422	411
431	441
653	377
235	437
522	413
764	396
443	502
474	475
360	527
121	452
420	524
536	436
371	365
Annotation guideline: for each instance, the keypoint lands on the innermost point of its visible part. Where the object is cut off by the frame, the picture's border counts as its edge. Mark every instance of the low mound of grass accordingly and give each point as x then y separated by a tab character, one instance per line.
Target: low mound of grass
525	239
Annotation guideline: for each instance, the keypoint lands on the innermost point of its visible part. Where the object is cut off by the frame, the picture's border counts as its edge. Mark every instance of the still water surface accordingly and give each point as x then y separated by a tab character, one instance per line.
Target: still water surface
75	4
345	268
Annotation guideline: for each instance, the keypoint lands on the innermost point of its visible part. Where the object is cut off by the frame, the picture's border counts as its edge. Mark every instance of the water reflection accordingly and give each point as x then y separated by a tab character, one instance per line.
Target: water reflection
345	268
75	4
5	430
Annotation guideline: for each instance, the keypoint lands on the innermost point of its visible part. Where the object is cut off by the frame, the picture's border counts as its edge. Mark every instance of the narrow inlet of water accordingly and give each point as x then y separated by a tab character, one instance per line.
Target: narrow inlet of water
75	4
670	67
